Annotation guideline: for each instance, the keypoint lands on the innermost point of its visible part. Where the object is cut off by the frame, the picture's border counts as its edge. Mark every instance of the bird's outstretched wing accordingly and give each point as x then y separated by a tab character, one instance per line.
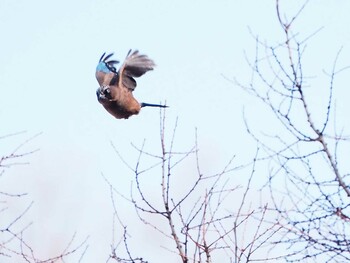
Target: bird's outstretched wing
134	66
105	70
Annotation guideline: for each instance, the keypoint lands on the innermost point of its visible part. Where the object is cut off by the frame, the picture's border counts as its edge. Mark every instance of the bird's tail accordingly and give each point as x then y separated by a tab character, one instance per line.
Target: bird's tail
143	104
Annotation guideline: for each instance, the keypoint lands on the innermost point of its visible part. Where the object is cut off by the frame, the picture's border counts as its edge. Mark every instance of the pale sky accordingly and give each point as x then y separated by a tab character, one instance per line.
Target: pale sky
49	51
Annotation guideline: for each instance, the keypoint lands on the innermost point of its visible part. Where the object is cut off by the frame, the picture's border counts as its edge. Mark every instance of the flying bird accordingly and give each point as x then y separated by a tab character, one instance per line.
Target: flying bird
116	87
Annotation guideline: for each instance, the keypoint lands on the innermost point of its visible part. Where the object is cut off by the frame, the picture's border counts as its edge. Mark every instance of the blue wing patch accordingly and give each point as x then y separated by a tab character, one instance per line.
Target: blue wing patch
105	65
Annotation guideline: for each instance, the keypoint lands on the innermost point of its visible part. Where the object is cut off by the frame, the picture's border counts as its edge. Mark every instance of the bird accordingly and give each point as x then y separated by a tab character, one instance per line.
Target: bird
115	92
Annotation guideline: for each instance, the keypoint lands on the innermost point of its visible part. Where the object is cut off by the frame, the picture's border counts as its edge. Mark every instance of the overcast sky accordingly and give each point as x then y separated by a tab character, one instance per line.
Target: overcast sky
49	51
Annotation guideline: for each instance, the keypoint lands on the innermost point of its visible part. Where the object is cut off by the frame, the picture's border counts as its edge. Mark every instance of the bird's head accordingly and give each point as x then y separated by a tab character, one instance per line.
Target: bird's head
103	94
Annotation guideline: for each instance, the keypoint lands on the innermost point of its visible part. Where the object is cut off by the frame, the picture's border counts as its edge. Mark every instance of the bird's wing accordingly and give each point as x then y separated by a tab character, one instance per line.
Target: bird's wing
105	70
134	66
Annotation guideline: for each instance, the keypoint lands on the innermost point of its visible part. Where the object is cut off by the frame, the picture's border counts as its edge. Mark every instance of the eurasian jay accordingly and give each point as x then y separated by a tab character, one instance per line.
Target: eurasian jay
116	87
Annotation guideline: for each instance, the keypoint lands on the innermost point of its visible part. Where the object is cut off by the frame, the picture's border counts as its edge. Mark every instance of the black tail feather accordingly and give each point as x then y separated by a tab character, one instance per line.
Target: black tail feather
143	104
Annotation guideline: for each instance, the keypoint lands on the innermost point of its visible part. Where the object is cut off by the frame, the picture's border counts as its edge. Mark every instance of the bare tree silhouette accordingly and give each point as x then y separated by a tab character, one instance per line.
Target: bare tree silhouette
307	179
13	245
201	218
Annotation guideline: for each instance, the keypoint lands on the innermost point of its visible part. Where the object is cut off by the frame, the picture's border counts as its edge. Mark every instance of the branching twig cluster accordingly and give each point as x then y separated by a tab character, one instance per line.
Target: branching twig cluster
202	220
308	188
13	244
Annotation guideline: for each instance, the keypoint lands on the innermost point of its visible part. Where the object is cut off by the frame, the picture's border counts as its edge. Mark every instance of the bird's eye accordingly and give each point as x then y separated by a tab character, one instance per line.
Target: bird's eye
107	91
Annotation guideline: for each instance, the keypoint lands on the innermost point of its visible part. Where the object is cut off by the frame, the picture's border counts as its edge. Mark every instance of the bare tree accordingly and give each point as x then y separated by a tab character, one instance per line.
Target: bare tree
201	218
307	179
13	245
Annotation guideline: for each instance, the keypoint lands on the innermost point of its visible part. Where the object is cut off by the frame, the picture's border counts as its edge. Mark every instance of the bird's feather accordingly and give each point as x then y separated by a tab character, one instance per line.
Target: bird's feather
134	66
105	69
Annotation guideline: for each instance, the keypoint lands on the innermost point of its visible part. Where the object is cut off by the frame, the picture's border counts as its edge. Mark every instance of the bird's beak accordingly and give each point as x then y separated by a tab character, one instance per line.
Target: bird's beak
99	93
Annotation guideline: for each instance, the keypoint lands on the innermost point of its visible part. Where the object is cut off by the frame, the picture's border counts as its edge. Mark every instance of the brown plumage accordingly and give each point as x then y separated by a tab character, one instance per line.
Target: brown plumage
116	87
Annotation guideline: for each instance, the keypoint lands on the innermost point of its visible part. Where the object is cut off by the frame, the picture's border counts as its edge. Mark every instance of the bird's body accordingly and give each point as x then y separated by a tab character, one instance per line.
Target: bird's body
123	105
116	87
